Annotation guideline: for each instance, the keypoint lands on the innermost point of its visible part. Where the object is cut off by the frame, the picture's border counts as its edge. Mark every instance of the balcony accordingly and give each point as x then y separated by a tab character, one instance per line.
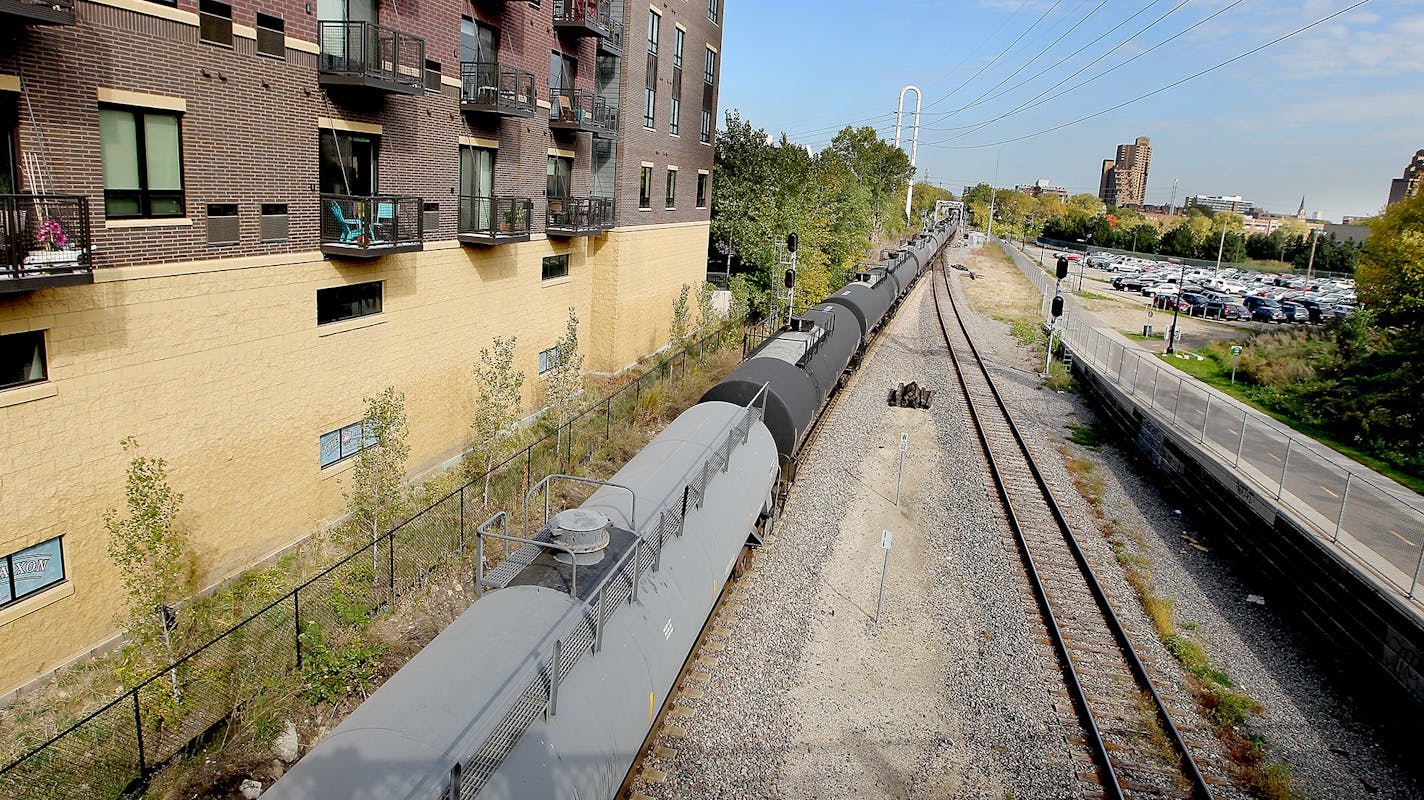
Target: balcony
370	226
612	44
579	216
43	12
488	88
494	220
371	56
583	17
44	242
581	110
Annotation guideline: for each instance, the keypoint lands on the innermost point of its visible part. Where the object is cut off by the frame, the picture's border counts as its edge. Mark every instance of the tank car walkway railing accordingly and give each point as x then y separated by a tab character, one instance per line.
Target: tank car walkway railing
535	690
1376	525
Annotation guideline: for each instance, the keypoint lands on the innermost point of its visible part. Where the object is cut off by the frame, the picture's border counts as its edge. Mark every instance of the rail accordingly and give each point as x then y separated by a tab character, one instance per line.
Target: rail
367	51
43	236
579	216
1111	782
491	86
495	217
583	110
371	222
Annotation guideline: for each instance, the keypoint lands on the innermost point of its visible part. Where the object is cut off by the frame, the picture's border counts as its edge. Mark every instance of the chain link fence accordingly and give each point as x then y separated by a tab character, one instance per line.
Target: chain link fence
1380	525
116	749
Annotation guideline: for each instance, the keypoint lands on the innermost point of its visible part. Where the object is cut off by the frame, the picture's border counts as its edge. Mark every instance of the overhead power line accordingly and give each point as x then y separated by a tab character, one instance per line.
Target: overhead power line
1165	88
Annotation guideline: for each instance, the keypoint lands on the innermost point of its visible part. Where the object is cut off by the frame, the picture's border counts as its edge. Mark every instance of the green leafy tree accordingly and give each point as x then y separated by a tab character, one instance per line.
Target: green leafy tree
923	197
1180	241
707	317
499	389
565	378
681	328
377	497
1391	264
150	551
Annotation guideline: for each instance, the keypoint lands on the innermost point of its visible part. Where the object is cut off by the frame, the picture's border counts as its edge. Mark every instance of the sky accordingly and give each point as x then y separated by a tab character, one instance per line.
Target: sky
1331	114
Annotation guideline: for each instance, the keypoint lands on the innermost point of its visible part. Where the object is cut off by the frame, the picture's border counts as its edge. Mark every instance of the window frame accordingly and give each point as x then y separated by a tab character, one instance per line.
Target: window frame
670	190
678	41
712	12
379	309
650	102
8	561
432	85
548	359
709	68
280	29
645	189
559	264
706	126
365	441
675	116
702	181
655	26
208	14
144	194
44	357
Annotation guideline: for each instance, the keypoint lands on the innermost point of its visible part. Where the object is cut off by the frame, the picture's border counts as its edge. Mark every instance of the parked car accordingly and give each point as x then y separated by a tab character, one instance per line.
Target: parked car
1267	312
1127	283
1294	313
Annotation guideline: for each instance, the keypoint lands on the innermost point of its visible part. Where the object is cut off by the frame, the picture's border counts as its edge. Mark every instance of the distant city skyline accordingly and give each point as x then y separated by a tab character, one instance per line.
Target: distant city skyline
1332	114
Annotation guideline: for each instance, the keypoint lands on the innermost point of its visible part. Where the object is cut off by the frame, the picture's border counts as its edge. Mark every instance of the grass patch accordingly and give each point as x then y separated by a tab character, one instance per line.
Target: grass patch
1026	332
1085	435
1137	337
1093	296
1218	375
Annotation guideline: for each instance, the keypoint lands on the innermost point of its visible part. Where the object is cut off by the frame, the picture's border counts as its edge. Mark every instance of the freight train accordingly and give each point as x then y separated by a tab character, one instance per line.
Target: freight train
549	685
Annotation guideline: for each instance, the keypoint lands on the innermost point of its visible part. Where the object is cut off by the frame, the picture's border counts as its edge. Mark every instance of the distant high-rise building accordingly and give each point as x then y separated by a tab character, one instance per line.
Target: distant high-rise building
1124	179
1412	184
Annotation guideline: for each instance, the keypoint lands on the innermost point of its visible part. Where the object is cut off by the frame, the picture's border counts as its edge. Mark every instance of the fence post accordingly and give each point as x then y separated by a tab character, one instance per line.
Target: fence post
391	561
1158	374
479	564
1177	402
1281	487
138	730
462	519
637	564
297	623
608	418
1417	566
1206	414
1344	498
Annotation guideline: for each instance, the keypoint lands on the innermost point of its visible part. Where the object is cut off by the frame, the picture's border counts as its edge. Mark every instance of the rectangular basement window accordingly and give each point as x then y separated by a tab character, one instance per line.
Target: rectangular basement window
22	359
355	300
555	267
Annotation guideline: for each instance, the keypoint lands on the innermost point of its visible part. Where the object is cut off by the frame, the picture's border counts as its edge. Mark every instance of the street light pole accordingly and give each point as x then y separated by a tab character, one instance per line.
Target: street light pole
1083	265
1220	248
1310	267
1176	307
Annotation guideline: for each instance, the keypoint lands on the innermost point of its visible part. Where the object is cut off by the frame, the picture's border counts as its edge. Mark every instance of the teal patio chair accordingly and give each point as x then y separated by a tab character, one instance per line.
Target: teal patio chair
351	229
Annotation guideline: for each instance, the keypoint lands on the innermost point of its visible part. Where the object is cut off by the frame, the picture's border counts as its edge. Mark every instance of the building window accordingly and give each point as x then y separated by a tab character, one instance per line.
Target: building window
22	359
432	75
343	443
701	190
674	115
670	201
712	10
560	177
348	163
548	359
223	226
645	188
32	570
143	163
215	22
709	72
348	302
706	126
650	99
655	23
554	267
273	224
677	39
271	36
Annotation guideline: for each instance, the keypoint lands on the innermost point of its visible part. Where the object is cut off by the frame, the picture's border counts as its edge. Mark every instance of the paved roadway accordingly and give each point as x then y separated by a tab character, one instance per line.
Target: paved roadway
1372	516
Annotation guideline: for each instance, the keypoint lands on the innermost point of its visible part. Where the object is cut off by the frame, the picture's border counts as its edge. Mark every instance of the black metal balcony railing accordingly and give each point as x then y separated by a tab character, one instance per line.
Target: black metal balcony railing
494	220
491	88
613	42
370	55
579	216
44	241
582	110
583	17
370	226
46	12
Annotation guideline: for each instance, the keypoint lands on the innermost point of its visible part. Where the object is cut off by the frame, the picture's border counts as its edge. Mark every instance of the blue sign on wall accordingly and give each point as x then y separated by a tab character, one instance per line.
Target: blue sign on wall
30	570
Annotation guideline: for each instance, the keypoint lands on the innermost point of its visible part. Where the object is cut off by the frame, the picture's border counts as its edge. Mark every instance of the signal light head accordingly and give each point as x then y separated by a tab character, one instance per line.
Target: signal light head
790	278
791	241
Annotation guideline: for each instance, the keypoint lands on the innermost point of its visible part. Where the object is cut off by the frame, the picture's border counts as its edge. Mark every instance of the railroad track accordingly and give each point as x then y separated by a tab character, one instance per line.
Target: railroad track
1135	745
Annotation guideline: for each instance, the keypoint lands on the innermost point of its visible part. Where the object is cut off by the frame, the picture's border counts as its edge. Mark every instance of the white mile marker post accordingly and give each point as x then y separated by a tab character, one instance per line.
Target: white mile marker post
886	538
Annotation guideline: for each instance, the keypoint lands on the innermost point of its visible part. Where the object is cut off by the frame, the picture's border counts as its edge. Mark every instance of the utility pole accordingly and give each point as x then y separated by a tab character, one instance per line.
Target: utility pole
1310	268
914	140
992	192
1220	248
1172	204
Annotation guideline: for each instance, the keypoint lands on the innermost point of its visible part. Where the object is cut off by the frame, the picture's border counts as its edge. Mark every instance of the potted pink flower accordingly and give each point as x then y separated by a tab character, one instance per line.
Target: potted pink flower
53	246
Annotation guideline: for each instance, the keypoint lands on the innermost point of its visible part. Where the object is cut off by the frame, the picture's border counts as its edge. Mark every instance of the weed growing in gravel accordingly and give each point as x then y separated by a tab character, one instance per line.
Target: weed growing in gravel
1060	379
1147	713
1026	332
1086	435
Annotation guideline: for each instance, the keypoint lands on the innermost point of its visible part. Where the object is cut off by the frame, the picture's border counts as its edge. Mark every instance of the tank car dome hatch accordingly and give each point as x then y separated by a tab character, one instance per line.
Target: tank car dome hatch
584	531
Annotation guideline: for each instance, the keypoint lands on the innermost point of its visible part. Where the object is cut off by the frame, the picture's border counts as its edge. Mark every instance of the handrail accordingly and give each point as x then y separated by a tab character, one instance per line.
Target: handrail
547	483
481	532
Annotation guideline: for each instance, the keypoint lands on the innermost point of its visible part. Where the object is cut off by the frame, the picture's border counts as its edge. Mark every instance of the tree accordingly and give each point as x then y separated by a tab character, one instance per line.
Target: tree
923	197
1391	264
150	551
1086	203
377	497
1180	241
566	375
681	328
499	389
707	317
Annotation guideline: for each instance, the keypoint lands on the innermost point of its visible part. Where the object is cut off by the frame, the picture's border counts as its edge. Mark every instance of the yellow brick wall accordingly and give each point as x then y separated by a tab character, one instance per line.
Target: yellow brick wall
225	373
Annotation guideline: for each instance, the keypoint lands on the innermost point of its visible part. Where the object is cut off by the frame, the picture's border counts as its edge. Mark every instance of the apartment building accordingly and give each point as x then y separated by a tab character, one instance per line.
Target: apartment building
1410	184
224	224
1124	180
